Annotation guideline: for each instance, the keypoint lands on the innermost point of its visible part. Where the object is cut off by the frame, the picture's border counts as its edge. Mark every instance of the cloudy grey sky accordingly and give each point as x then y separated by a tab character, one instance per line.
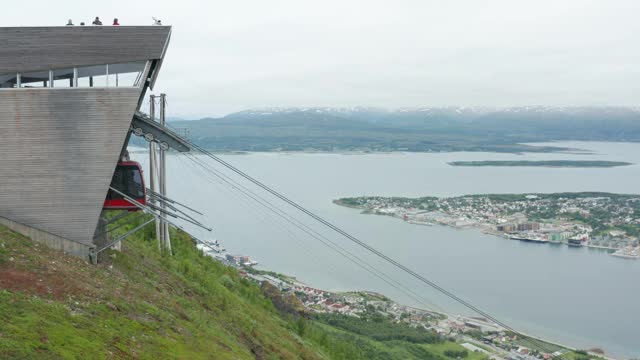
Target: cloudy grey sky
232	55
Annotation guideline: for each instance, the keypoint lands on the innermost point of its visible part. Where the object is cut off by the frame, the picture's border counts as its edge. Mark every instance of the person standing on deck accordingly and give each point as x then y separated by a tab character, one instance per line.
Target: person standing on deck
115	22
97	21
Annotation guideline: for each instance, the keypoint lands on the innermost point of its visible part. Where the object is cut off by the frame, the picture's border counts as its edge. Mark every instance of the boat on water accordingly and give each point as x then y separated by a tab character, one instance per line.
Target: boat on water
417	222
576	241
533	239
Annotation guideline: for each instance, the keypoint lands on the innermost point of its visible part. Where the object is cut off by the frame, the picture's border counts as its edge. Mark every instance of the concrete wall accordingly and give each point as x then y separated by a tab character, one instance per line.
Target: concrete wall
58	150
55	242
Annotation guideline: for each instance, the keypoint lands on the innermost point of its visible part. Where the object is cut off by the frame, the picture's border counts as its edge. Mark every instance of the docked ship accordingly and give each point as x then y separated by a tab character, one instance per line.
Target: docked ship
218	246
529	238
211	246
69	101
575	241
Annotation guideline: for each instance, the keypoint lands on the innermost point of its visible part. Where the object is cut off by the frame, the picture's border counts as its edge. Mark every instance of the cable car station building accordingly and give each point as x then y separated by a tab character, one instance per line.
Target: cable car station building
69	100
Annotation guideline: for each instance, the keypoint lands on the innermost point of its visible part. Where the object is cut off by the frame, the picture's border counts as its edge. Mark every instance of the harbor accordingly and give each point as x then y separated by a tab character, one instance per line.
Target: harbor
519	217
502	266
214	249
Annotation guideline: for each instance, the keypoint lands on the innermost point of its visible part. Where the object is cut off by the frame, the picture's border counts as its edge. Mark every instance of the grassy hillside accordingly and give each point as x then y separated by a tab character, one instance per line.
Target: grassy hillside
141	304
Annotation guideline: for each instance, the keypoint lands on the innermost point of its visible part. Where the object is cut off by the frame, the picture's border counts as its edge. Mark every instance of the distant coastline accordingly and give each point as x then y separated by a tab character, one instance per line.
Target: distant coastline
591	219
430	129
544	163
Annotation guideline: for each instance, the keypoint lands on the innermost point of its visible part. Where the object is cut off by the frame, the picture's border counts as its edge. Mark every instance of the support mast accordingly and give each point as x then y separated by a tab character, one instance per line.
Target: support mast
163	177
153	165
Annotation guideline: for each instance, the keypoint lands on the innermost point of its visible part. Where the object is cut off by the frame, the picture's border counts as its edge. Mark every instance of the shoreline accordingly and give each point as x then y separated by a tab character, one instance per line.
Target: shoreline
539	234
488	231
566	150
452	316
549	166
446	317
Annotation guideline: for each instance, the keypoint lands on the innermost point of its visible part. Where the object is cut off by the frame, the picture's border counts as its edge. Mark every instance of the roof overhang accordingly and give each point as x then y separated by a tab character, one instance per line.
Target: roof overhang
27	49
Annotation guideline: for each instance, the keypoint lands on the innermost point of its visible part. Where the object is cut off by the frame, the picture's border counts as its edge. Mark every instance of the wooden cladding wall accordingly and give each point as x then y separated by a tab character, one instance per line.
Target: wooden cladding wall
24	49
58	151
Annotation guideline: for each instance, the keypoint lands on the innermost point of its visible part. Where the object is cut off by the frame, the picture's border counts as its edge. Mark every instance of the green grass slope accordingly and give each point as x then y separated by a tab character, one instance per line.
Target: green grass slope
141	304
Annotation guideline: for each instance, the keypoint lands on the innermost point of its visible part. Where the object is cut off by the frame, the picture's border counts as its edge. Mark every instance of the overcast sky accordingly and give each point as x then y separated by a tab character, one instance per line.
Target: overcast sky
232	55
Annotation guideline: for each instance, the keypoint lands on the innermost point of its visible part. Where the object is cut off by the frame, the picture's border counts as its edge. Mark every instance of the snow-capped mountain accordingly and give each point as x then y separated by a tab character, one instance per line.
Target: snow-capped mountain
454	111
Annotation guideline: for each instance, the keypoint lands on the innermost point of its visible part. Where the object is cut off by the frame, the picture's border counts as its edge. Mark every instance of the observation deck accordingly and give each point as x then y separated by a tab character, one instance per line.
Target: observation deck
68	96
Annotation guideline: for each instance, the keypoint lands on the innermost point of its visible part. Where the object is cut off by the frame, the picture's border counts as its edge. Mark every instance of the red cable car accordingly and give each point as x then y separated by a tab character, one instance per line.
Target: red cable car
127	179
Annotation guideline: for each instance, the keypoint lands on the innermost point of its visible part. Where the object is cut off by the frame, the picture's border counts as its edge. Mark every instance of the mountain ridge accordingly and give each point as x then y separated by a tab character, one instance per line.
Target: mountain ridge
420	130
426	110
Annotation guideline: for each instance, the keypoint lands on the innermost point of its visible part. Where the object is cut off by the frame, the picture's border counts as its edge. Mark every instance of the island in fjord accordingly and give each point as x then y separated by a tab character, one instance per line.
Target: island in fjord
544	163
593	219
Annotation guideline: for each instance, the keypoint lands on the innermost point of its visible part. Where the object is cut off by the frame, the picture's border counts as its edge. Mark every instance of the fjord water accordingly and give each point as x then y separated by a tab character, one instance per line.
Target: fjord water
581	297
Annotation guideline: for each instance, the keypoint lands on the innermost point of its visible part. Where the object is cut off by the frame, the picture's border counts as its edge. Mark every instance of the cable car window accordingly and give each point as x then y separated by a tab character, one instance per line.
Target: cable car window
134	182
128	180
